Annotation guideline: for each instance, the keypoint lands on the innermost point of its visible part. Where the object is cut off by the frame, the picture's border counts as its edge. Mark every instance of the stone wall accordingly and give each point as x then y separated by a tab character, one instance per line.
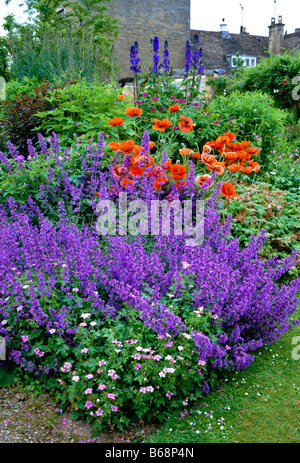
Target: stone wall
141	21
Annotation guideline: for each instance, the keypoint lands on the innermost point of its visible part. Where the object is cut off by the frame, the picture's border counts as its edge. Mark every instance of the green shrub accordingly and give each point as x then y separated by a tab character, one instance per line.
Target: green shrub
83	108
256	116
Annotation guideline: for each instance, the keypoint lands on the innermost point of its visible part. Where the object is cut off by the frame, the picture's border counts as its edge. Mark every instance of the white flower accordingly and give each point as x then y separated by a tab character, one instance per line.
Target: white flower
4	322
52	331
85	315
75	378
139	348
93	323
180	348
19	308
25	286
185	265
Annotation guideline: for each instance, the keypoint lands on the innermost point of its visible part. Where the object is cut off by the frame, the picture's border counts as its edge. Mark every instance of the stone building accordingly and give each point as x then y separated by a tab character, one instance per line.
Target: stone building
170	20
141	21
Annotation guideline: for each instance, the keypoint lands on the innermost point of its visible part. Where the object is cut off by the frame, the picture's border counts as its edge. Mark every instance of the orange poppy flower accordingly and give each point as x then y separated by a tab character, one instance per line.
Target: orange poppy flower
137	159
159	182
132	112
116	121
245	143
208	158
195	155
234	167
136	171
252	150
174	108
114	145
126	182
185	151
230	135
167	165
255	166
127	146
246	170
137	149
186	125
218	168
119	171
121	97
178	172
161	125
228	190
204	179
223	140
231	156
181	184
210	145
152	143
206	149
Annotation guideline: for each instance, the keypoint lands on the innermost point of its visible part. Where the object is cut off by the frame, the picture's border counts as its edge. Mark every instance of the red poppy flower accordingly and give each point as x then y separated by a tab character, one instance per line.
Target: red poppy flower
127	146
133	112
116	121
204	179
228	190
174	108
126	182
161	125
186	125
114	145
159	182
178	172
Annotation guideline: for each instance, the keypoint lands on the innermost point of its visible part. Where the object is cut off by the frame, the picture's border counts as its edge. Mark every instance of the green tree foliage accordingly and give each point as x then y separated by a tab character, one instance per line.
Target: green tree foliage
64	39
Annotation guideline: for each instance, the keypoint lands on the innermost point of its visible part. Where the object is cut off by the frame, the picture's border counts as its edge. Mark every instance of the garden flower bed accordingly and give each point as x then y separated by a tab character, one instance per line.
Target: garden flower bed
138	321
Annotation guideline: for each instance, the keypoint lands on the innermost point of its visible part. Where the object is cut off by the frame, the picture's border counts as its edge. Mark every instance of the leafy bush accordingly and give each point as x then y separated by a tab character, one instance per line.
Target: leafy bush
257	207
82	107
275	76
19	116
256	115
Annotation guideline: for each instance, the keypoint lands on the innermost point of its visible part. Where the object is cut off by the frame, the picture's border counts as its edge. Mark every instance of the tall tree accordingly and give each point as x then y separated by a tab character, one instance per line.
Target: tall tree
64	37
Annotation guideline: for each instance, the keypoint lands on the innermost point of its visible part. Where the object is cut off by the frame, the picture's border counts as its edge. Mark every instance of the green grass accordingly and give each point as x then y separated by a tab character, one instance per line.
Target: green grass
260	404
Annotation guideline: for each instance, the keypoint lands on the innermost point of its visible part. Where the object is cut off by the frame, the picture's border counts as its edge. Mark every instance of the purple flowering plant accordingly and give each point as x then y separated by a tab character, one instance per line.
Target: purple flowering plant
71	300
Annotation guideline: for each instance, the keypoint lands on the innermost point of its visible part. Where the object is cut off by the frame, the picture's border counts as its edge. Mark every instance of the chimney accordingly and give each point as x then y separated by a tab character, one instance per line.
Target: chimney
276	36
223	29
243	30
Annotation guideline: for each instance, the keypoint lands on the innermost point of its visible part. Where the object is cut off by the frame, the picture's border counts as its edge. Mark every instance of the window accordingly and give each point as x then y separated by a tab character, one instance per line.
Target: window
244	60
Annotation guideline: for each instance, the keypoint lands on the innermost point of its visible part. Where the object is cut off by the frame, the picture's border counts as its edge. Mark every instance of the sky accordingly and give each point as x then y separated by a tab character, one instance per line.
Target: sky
207	14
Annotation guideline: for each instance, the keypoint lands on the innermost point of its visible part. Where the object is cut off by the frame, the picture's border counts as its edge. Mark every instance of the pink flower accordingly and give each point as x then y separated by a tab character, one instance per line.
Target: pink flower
110	396
88	391
88	404
102	386
137	366
99	412
155	98
102	362
84	351
114	408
